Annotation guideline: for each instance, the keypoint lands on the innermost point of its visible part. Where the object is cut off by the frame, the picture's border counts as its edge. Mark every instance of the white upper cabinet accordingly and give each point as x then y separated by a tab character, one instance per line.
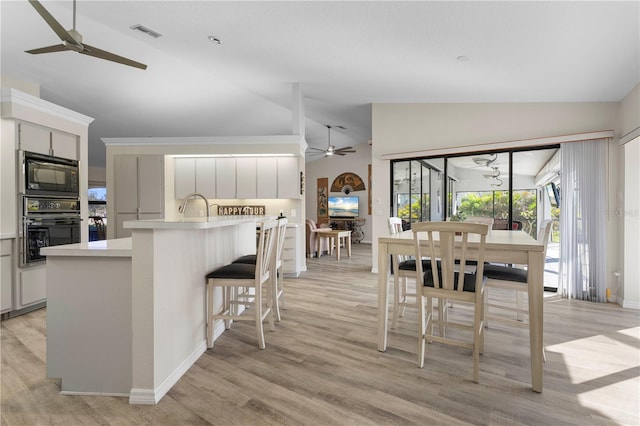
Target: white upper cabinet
185	177
206	177
195	175
238	178
34	138
64	145
225	178
246	185
267	174
42	140
288	177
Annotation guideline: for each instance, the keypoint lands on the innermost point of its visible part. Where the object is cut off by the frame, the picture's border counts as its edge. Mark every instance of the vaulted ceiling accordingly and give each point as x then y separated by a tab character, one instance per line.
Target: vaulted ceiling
346	55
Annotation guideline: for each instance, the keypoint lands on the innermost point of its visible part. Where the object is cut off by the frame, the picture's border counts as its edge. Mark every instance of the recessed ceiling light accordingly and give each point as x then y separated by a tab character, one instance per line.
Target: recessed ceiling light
214	40
463	58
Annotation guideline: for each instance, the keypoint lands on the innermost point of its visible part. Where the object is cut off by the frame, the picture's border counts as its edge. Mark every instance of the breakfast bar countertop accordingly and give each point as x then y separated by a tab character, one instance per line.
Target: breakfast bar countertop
120	247
194	222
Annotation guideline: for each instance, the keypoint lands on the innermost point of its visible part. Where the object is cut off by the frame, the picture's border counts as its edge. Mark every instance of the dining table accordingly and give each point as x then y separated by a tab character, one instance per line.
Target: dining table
501	246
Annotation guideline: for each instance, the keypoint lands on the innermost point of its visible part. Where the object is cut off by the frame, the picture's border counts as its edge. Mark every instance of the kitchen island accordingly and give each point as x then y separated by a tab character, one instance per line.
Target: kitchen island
127	317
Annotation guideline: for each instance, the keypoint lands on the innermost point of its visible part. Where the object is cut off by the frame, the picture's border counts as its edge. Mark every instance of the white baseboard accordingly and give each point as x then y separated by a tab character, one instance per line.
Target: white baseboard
153	396
629	304
76	393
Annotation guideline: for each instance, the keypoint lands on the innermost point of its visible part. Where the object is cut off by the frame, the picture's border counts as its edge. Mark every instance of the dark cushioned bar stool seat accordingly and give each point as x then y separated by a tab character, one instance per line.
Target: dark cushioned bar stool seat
249	258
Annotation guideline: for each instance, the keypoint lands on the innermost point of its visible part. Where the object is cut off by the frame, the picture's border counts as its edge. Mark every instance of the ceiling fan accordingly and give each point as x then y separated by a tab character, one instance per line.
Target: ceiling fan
332	150
72	40
484	161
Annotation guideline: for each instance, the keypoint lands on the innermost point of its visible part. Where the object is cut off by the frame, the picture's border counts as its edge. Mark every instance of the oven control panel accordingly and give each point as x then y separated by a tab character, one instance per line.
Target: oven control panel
51	205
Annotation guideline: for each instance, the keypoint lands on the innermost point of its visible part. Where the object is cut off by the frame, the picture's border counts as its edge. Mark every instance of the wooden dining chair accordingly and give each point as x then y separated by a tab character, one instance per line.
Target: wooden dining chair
515	279
403	267
235	279
447	280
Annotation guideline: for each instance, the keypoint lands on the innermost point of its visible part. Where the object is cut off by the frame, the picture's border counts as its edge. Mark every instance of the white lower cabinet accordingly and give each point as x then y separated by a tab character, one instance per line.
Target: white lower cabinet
6	275
32	287
291	256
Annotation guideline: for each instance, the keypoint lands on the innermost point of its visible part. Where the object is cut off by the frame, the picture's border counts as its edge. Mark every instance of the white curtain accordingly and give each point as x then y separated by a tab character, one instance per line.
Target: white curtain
583	220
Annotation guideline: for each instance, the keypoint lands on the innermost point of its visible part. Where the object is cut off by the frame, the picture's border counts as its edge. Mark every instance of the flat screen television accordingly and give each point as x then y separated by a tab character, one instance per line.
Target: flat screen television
553	193
343	206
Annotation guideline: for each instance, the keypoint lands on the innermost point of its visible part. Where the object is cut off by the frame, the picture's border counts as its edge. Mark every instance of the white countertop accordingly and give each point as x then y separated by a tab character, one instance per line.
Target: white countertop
120	247
194	222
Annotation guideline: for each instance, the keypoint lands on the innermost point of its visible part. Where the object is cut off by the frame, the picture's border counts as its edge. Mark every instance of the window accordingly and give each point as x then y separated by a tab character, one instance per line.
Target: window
97	213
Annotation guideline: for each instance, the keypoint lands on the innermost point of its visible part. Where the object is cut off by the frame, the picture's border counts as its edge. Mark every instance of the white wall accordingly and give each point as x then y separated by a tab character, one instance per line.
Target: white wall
332	167
627	199
630	293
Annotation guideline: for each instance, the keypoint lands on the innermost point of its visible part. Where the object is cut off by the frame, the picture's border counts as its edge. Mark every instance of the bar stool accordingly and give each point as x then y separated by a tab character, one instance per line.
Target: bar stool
237	280
278	280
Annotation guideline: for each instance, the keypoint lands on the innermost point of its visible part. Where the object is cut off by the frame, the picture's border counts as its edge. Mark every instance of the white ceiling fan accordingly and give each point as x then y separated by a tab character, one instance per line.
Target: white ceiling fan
72	40
332	150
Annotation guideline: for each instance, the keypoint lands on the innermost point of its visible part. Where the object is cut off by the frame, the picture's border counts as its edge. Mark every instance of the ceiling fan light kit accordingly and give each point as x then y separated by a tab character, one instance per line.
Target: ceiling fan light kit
72	40
331	149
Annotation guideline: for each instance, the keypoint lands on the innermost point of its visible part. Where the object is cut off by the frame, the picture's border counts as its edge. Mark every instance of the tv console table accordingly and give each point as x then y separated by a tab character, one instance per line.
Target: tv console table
353	224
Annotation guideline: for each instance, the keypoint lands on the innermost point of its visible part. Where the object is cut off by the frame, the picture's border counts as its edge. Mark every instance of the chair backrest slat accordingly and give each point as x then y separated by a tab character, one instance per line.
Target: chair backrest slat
266	240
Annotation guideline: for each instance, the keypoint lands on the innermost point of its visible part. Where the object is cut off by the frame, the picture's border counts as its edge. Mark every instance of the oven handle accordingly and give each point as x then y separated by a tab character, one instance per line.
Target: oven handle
48	220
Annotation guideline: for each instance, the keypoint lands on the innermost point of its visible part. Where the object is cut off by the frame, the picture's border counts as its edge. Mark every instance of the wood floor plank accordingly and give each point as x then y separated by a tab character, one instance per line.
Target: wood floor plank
322	367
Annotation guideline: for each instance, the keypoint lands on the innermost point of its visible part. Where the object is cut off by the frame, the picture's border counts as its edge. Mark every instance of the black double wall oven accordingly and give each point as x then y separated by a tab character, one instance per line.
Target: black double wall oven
49	203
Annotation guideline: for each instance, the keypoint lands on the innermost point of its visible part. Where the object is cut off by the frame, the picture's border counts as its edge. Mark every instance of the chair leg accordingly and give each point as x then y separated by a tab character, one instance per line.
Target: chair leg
258	318
269	309
441	317
477	339
422	326
429	325
486	307
404	296
520	305
209	315
275	292
396	300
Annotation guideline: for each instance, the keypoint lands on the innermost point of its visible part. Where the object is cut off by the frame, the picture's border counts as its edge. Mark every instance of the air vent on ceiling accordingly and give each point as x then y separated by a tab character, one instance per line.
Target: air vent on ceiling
146	30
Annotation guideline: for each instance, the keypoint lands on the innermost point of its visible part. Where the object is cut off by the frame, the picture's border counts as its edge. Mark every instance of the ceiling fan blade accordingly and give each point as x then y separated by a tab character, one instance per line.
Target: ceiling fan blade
51	21
48	49
339	153
103	54
317	149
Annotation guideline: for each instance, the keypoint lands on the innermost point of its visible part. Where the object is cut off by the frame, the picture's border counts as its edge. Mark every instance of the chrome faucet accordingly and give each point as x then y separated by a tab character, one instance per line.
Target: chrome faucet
186	199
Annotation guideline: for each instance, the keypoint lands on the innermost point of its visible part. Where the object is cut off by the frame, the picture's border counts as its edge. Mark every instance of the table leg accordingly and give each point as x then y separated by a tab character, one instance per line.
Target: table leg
383	280
337	246
349	244
536	316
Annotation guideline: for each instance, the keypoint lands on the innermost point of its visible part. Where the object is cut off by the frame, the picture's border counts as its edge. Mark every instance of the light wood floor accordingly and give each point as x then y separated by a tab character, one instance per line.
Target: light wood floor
321	367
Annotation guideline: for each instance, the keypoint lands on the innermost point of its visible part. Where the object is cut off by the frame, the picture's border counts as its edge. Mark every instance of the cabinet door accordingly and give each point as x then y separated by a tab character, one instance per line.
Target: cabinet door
246	178
6	275
34	138
64	145
185	177
125	184
33	287
225	178
288	178
267	177
206	177
150	184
